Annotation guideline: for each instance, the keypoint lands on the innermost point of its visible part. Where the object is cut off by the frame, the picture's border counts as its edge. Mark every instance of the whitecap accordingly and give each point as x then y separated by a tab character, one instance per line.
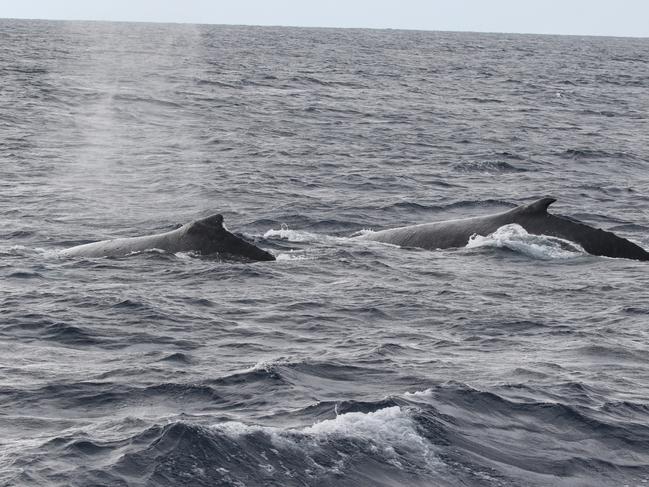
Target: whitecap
269	365
389	432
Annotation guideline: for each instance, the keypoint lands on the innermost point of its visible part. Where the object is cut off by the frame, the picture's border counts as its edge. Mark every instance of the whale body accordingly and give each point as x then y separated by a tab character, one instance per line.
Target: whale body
534	218
205	236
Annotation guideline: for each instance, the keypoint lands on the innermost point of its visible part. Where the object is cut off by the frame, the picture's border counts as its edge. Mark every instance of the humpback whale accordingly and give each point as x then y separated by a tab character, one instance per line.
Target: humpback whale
205	236
533	217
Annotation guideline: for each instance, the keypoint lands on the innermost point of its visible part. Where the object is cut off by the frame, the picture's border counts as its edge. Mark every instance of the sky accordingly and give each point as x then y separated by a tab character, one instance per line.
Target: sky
577	17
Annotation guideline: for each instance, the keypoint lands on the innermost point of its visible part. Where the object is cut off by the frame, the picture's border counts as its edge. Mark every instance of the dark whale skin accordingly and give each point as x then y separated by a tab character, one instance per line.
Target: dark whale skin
534	218
205	236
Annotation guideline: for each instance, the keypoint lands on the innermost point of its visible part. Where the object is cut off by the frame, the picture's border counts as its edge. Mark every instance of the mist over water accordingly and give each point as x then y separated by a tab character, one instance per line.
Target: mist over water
517	360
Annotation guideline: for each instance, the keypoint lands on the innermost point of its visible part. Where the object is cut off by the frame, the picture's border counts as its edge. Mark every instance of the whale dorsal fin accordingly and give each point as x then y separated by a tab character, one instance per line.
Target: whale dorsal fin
538	207
212	222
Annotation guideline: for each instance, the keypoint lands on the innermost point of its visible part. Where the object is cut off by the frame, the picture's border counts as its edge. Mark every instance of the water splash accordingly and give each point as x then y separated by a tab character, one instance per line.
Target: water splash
515	237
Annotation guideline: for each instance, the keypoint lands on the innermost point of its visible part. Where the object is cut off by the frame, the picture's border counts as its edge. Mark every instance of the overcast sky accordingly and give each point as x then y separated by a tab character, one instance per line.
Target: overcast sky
581	17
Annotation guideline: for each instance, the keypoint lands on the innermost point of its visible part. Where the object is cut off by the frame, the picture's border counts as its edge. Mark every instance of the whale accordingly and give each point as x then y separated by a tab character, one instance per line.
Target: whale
206	236
533	217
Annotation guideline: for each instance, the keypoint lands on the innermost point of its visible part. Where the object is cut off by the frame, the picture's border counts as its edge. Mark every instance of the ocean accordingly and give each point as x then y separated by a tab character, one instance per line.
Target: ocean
509	362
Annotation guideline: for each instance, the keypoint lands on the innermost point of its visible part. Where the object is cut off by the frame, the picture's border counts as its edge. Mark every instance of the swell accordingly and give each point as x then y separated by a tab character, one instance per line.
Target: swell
443	435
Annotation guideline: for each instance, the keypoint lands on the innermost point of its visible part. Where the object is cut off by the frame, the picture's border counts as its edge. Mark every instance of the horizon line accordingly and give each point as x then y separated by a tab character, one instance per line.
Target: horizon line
408	29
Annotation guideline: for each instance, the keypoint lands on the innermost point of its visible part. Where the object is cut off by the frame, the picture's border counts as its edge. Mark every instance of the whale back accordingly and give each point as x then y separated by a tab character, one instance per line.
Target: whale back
533	217
122	246
205	236
442	234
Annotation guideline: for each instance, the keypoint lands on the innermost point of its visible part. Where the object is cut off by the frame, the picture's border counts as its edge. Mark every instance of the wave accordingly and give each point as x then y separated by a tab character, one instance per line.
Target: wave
220	84
491	427
298	372
25	275
18	234
320	82
515	237
486	167
100	395
597	154
378	448
482	100
448	434
70	335
23	251
178	358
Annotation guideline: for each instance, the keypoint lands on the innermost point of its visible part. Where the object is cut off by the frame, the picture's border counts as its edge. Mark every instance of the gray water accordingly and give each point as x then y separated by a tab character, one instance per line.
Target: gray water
345	362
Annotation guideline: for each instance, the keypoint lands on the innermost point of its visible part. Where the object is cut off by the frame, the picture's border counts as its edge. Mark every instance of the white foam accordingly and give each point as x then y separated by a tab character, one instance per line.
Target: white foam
22	250
153	251
424	393
292	255
516	238
389	432
15	248
388	427
186	255
285	233
269	365
363	232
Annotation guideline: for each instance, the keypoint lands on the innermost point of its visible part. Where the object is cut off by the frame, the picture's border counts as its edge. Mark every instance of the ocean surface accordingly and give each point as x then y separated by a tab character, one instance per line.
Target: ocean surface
511	362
